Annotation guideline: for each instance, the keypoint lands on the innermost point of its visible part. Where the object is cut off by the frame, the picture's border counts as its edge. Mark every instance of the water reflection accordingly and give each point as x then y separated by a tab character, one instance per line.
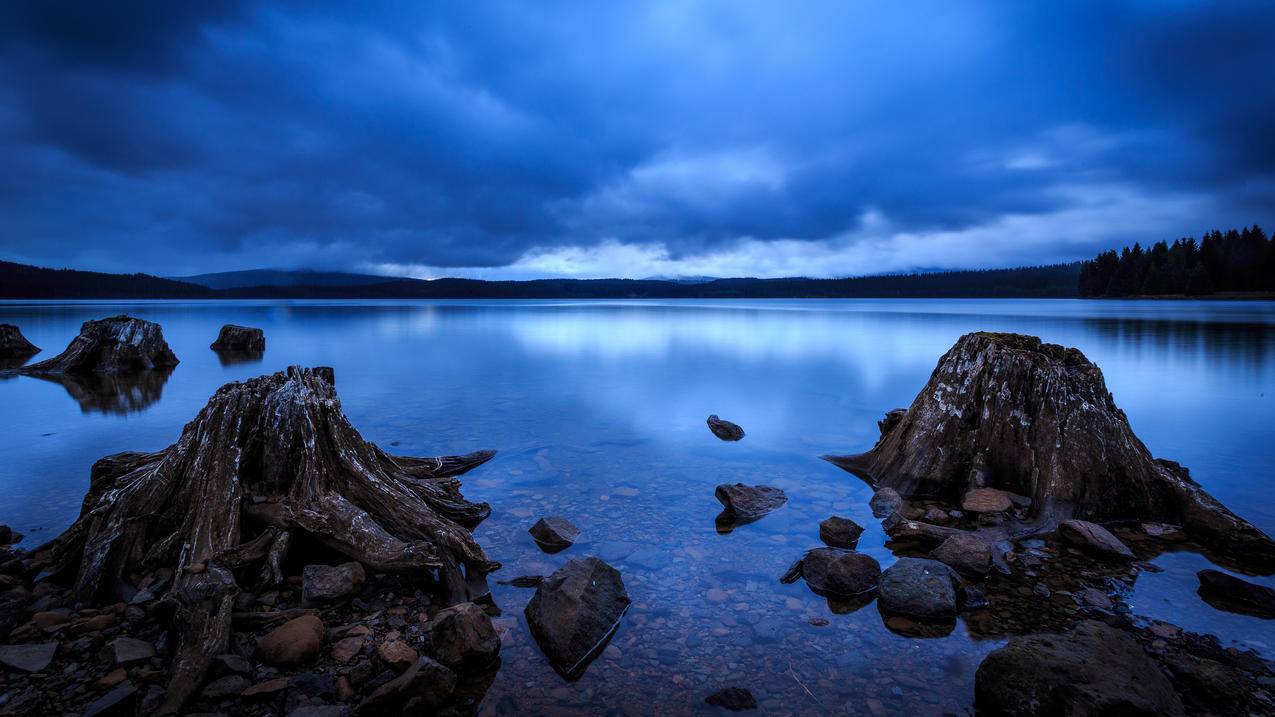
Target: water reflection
118	393
234	358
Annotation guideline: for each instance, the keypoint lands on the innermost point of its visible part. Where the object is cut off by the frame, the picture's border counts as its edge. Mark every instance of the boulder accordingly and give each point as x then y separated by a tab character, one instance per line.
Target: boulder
293	643
990	500
320	711
28	658
119	344
224	687
397	654
840	532
554	533
1093	671
1095	539
1209	687
735	699
749	502
575	611
240	338
124	651
463	636
885	502
324	584
1233	594
1011	412
724	430
966	553
424	686
918	588
836	571
13	345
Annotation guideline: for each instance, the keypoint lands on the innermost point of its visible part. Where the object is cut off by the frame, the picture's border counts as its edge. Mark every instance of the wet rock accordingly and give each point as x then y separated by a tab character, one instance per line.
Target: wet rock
231	665
321	711
124	651
266	689
1233	594
239	338
836	571
840	532
13	345
224	687
966	553
346	648
6	535
397	654
936	515
749	502
118	344
295	642
735	699
1091	672
920	588
990	500
575	611
1208	686
463	636
554	533
119	702
885	502
724	430
1095	598
1095	539
324	584
28	658
425	685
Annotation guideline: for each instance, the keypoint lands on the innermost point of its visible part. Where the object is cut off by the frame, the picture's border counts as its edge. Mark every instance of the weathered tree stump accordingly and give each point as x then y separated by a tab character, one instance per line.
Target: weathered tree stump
117	344
1036	419
265	461
13	345
237	338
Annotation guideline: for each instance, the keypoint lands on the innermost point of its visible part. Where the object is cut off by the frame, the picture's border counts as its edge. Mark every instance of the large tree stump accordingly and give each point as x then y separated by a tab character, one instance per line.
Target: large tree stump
265	461
112	345
1010	412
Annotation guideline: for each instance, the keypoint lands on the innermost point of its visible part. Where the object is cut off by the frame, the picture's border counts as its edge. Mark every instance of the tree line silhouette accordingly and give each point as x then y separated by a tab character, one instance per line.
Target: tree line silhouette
1235	260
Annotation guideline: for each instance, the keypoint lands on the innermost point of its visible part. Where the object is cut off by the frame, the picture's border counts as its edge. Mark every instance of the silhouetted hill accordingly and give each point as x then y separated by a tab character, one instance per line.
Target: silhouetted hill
19	281
280	277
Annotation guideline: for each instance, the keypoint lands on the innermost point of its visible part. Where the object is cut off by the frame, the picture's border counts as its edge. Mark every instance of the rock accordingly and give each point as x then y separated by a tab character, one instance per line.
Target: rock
321	711
936	515
986	500
119	702
903	530
735	699
1235	595
230	664
267	689
119	344
6	533
240	338
346	648
293	643
28	658
840	532
885	502
1095	539
50	618
224	687
919	588
426	684
966	553
397	654
724	430
749	502
113	678
1095	598
13	345
1091	672
836	571
554	533
1209	687
575	611
124	651
463	636
1011	412
324	584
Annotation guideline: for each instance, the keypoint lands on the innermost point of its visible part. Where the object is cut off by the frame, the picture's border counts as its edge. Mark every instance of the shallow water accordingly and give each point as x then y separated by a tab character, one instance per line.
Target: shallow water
598	408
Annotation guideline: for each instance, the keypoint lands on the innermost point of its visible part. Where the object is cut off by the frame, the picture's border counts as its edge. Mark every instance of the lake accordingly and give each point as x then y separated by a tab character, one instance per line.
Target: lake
598	412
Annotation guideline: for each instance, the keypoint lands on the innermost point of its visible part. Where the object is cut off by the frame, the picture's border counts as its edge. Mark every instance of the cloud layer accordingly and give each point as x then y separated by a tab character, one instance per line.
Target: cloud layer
586	139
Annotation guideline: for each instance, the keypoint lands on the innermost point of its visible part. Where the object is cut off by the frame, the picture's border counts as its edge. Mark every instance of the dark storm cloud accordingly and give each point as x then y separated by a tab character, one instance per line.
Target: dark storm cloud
563	138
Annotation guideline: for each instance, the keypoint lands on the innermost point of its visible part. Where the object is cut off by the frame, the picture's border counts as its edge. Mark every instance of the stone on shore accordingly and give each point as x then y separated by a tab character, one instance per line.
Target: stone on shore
424	686
124	651
1233	594
293	643
463	636
919	588
840	532
1092	671
324	584
554	533
575	611
724	430
966	553
28	658
1095	539
239	338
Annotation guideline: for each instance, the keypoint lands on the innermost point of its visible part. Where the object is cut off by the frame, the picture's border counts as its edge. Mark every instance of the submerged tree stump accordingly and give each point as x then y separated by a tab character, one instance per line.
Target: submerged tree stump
1011	412
266	461
239	338
113	345
13	345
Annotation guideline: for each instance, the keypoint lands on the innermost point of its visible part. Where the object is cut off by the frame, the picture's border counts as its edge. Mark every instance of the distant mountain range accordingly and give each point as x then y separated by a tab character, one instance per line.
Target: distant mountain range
19	281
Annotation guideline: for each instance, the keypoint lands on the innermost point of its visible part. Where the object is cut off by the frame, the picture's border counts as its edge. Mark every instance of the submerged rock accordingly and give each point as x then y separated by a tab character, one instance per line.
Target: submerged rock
114	345
724	430
1095	539
1233	594
575	611
735	699
239	338
840	532
1010	412
749	502
13	345
918	588
885	502
836	571
1093	671
553	533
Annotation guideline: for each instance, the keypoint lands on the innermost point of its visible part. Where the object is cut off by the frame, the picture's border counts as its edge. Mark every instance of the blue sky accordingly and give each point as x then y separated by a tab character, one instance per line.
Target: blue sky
516	140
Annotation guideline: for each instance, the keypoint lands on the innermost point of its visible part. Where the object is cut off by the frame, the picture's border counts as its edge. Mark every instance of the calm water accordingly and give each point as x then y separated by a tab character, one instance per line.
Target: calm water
597	409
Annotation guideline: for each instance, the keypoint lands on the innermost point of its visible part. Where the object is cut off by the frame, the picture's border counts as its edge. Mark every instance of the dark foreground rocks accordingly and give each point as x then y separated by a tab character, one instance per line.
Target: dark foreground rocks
919	588
13	345
746	503
724	430
1234	594
1091	672
1094	539
554	534
966	553
1025	418
838	532
836	571
118	344
575	611
239	338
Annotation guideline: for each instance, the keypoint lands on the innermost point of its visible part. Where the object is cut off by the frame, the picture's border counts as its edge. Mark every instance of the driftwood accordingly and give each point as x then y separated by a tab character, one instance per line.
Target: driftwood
1036	419
265	461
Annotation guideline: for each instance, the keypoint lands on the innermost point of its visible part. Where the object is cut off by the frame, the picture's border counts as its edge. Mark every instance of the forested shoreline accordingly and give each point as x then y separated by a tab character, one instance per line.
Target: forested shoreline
1233	261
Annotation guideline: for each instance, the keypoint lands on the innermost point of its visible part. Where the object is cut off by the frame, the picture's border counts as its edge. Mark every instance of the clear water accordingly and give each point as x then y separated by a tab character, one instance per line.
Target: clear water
598	408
